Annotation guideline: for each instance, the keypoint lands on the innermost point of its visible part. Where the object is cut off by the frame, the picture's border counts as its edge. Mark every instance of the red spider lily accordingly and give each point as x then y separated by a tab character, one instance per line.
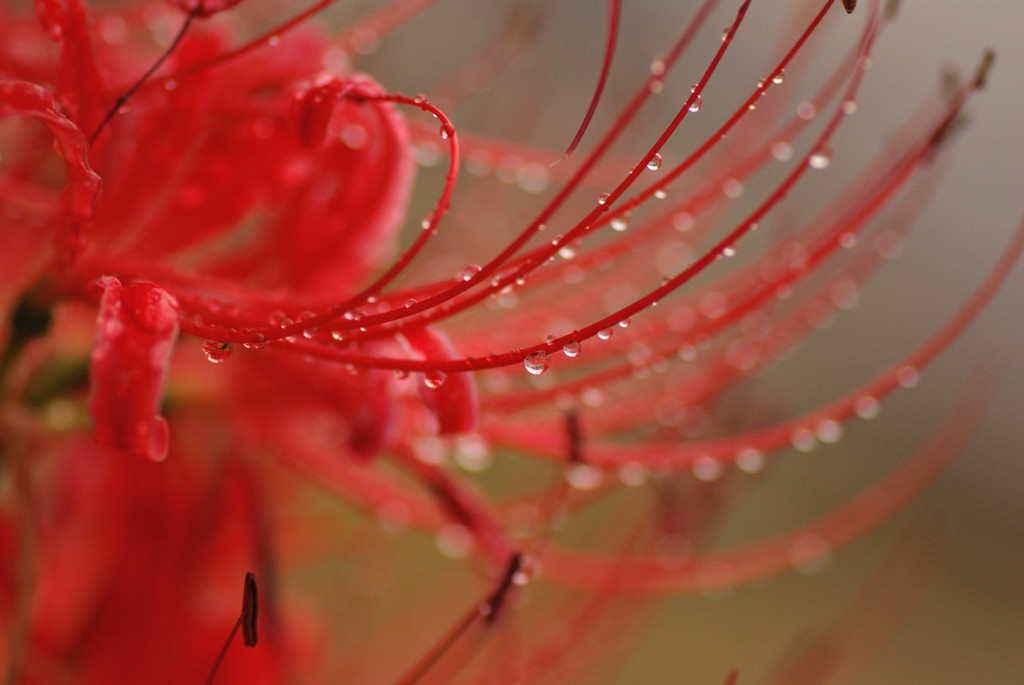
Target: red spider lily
249	197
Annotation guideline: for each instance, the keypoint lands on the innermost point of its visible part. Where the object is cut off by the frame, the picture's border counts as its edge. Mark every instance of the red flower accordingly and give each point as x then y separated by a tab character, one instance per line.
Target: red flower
253	195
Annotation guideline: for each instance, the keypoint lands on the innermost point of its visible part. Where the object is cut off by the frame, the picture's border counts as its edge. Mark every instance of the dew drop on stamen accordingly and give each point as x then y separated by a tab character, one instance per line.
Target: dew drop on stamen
655	163
572	349
867	407
434	379
619	224
401	374
829	431
733	188
908	376
216	351
750	460
809	554
697	103
443	132
803	440
782	151
779	77
537	362
849	106
605	334
454	542
632	474
820	159
274	41
660	194
467	273
806	111
707	469
584	477
624	323
603	198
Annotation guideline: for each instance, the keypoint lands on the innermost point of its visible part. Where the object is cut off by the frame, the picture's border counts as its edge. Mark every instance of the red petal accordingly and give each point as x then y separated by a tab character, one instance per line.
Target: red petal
136	330
83	189
453	401
79	85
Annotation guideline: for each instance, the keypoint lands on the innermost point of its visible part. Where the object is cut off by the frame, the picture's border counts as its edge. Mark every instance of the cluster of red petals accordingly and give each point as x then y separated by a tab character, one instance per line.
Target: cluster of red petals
242	200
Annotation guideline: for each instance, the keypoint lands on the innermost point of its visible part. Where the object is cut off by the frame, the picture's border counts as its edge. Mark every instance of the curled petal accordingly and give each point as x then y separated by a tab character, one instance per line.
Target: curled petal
83	188
312	110
451	398
79	85
136	330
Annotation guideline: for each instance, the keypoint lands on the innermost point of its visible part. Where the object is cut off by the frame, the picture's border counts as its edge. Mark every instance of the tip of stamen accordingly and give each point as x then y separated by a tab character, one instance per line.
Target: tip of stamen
986	65
849	5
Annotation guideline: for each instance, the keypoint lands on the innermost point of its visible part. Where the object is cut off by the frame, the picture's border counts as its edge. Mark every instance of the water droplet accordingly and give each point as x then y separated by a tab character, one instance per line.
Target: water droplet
707	469
572	349
216	351
584	477
779	77
657	67
633	475
434	379
274	41
467	273
908	376
473	454
567	252
733	188
697	103
624	323
605	334
804	441
660	194
750	460
849	106
455	542
806	111
537	362
809	554
867	407
782	151
655	163
725	32
829	431
603	198
620	224
729	251
401	374
820	159
443	132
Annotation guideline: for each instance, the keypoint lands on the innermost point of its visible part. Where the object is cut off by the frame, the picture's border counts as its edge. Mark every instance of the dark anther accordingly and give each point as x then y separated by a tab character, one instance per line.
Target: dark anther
982	73
849	5
250	609
496	599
